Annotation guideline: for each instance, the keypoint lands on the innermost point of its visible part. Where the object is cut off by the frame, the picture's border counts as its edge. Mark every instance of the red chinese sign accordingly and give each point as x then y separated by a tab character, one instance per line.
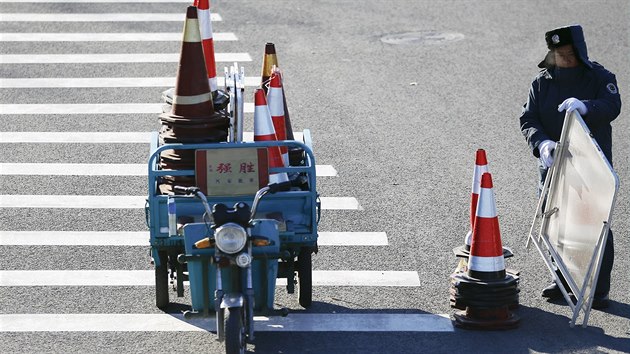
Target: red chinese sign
240	171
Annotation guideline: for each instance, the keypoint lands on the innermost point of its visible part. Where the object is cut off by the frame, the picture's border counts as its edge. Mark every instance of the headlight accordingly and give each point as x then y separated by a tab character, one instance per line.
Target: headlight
230	238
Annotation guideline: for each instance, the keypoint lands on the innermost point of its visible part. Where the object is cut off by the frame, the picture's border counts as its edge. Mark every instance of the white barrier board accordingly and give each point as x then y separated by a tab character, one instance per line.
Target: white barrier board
580	192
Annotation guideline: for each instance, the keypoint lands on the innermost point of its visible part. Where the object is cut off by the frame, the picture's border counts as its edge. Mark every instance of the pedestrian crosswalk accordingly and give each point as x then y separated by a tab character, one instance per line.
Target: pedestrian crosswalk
50	235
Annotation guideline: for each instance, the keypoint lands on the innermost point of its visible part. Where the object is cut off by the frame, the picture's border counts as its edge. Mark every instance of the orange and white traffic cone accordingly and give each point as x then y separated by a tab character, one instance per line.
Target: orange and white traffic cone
462	252
486	290
264	131
205	29
276	107
270	59
481	167
486	252
192	98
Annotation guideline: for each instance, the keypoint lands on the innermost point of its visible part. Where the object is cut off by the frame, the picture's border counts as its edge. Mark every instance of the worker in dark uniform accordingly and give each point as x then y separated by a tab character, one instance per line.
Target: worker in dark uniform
568	81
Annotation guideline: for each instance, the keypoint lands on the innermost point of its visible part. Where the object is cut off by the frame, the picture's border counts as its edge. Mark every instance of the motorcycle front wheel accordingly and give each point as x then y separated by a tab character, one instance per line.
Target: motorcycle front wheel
234	331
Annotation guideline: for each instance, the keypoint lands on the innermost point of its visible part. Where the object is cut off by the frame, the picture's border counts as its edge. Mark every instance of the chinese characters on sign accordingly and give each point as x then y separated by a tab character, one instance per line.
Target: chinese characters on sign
231	171
247	172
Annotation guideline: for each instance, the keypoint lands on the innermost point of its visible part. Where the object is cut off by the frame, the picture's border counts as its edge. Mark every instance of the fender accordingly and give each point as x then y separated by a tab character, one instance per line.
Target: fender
232	300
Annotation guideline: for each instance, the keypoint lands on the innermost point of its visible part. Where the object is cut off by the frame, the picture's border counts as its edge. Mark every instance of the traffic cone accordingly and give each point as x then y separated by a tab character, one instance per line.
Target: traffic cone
486	252
486	290
276	107
264	131
191	117
270	59
192	99
205	29
481	167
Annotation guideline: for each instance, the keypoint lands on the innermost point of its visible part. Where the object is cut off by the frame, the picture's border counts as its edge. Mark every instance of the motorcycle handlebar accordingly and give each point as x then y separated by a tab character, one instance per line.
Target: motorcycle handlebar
271	188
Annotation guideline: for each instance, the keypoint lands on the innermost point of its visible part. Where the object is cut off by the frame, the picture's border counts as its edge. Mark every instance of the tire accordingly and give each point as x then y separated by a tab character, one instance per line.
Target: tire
305	277
161	281
234	331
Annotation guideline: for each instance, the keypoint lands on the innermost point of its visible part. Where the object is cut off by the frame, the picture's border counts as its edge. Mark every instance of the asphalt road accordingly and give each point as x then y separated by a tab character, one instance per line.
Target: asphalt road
398	96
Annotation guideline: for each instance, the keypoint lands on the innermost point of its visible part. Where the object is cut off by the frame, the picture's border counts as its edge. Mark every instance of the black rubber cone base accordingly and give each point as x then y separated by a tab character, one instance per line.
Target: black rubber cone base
464	279
454	303
488	320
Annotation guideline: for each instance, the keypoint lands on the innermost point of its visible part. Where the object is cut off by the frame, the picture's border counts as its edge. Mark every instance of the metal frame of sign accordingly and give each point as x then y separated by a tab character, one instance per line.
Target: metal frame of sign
562	214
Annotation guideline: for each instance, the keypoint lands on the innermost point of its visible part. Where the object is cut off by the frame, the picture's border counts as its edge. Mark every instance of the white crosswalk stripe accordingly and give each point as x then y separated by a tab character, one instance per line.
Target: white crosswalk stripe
141	238
97	17
121	277
94	1
298	322
126	202
111	58
106	37
74	238
57	82
77	169
90	108
94	137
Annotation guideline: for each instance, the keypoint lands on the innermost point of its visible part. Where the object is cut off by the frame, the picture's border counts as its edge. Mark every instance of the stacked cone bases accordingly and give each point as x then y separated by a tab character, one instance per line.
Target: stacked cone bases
486	290
192	118
276	108
207	42
264	131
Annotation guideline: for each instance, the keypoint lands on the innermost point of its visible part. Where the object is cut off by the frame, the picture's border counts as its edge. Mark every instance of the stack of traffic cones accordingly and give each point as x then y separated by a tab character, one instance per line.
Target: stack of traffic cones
220	97
264	131
192	118
486	290
462	252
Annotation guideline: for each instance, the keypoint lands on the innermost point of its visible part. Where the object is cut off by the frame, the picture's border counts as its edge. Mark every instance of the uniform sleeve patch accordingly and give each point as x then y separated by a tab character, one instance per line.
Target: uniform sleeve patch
611	88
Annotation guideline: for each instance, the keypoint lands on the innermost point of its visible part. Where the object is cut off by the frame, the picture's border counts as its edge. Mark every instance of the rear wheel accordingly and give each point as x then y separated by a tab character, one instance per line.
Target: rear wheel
234	331
305	277
161	281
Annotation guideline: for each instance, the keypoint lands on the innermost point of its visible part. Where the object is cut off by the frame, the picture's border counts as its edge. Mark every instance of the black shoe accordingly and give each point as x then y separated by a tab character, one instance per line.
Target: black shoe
552	292
600	302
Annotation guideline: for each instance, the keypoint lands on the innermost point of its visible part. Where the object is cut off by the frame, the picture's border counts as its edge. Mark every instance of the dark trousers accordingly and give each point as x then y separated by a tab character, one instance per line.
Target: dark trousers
603	280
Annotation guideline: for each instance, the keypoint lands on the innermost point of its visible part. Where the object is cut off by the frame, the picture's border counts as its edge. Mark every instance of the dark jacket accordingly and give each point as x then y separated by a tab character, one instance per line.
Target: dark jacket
596	86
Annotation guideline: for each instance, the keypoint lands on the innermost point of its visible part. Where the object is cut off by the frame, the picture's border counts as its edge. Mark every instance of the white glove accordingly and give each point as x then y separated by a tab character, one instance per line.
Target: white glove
546	149
571	104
